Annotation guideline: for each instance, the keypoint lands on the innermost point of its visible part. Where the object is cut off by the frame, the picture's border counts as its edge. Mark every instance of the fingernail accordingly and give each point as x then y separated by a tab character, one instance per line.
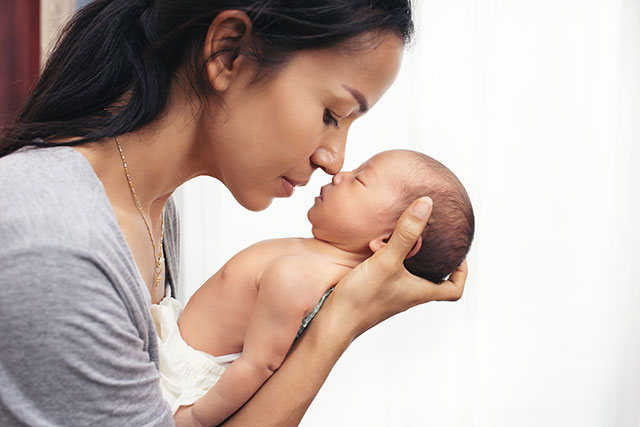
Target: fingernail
421	208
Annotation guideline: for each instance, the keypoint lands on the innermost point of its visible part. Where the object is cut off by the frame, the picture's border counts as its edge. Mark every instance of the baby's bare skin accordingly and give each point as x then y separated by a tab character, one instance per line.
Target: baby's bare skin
255	305
225	302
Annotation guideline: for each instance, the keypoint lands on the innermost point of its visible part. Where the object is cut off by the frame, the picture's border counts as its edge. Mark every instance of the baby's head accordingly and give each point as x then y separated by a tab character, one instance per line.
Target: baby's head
359	209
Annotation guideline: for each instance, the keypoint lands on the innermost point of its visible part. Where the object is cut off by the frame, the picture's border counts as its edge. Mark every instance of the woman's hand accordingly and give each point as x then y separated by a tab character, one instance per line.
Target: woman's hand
381	287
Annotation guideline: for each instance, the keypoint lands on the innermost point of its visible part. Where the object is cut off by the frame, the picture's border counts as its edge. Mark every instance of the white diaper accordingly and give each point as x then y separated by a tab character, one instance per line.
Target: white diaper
186	374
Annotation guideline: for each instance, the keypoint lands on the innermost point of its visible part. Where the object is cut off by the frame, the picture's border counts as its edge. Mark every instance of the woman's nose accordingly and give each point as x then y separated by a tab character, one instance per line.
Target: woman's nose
330	157
328	160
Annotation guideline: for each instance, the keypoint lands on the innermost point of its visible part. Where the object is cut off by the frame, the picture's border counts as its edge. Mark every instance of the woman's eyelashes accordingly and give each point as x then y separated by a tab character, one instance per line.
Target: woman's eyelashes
329	119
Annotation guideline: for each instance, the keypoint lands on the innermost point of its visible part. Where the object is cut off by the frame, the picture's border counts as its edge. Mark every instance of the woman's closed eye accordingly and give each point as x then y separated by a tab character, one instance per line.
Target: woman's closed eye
329	119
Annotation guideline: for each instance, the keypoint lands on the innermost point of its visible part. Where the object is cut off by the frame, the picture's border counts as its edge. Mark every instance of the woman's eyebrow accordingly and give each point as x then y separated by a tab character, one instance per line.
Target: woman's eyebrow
364	105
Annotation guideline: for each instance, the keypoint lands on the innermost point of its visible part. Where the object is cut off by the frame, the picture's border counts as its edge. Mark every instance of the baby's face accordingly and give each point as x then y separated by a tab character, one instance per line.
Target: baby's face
359	206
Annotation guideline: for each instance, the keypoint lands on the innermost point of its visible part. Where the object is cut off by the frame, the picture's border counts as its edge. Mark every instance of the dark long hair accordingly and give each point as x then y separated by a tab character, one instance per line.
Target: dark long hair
112	68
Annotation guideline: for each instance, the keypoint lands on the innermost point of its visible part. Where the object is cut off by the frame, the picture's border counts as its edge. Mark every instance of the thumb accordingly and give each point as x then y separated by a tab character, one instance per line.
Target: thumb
409	227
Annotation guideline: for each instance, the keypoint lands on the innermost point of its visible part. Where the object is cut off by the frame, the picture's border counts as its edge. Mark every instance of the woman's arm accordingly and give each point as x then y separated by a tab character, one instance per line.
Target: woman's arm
72	344
374	291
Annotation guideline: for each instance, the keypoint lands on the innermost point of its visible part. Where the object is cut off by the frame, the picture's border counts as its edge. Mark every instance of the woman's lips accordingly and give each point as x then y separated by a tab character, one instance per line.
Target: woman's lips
290	184
289	187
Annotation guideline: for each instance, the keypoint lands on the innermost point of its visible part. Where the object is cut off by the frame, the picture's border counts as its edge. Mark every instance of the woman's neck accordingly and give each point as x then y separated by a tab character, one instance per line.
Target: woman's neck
160	157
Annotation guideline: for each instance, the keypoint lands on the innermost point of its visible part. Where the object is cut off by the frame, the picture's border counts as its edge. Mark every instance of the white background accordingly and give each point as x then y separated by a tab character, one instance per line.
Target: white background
535	105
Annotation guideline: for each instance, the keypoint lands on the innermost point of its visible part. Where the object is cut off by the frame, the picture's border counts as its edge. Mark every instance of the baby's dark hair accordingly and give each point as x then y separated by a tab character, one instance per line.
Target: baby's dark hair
449	232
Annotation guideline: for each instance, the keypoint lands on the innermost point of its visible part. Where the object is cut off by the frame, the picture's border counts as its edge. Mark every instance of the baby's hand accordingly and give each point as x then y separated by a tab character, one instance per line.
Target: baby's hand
381	287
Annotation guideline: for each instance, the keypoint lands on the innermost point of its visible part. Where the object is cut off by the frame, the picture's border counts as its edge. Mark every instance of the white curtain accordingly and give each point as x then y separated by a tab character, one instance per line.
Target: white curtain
535	105
53	15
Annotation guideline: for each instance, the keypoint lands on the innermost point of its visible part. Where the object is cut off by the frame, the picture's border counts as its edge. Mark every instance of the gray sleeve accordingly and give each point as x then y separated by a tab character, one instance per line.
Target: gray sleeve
70	353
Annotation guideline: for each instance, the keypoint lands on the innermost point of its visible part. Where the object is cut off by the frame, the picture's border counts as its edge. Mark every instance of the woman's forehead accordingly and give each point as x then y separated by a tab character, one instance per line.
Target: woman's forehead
365	73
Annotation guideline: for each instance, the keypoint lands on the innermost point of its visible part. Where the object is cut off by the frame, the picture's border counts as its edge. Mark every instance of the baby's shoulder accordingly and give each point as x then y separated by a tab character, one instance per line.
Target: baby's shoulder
298	280
262	254
280	247
253	260
304	271
289	260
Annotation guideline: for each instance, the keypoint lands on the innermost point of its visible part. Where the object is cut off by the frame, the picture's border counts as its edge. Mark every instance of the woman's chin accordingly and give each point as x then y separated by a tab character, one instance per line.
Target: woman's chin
257	207
255	204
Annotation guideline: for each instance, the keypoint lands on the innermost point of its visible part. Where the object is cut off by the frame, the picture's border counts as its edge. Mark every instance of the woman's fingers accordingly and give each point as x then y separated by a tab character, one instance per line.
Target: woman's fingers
388	262
450	290
409	227
457	280
381	287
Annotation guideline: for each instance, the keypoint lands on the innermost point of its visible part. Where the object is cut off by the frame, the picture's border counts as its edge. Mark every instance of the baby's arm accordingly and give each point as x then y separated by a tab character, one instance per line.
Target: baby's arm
283	301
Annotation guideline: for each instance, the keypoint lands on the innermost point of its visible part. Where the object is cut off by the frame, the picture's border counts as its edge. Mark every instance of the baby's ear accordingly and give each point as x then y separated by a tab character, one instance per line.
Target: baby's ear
414	250
379	242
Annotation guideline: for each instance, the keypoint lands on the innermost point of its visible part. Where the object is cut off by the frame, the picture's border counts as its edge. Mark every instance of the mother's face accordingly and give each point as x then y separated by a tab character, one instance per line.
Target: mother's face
268	137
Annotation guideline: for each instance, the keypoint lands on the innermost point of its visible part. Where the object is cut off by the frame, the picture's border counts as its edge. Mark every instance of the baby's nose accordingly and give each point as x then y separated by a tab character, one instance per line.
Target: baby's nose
337	178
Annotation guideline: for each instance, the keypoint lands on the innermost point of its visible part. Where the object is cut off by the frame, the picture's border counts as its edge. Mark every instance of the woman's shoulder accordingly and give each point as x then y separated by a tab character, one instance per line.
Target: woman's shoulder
52	201
46	172
51	196
57	226
41	162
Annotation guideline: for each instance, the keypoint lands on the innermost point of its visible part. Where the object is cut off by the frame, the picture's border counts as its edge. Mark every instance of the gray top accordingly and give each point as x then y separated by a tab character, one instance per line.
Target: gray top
77	342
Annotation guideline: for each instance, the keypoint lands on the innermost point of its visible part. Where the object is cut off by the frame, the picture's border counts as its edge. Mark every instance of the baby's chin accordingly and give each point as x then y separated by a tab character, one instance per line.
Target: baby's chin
310	214
320	234
319	229
314	232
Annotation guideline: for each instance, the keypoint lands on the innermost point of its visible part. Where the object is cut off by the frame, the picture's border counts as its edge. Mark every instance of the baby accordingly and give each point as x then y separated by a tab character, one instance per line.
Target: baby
238	327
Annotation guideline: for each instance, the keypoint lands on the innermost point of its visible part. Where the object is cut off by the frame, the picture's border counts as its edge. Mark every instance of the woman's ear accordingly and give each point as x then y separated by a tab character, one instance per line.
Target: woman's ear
228	33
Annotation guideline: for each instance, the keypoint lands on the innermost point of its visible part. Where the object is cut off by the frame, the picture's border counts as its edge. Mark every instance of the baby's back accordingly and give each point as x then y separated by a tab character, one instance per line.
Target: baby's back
217	315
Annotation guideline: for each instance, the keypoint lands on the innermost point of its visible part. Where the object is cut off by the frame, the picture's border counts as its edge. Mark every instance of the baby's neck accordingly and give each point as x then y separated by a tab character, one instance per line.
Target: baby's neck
337	254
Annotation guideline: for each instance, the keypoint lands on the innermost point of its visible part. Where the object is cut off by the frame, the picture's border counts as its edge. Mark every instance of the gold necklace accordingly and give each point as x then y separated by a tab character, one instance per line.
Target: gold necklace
157	254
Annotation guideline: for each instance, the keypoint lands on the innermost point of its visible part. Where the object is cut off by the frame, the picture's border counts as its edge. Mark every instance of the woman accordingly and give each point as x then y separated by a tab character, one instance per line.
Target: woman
137	98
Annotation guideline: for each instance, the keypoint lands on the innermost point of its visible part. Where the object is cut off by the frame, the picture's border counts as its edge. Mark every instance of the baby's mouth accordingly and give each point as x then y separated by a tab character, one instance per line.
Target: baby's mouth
322	192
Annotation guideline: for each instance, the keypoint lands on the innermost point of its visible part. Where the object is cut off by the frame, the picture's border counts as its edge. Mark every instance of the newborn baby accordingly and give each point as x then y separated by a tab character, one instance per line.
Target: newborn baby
238	327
